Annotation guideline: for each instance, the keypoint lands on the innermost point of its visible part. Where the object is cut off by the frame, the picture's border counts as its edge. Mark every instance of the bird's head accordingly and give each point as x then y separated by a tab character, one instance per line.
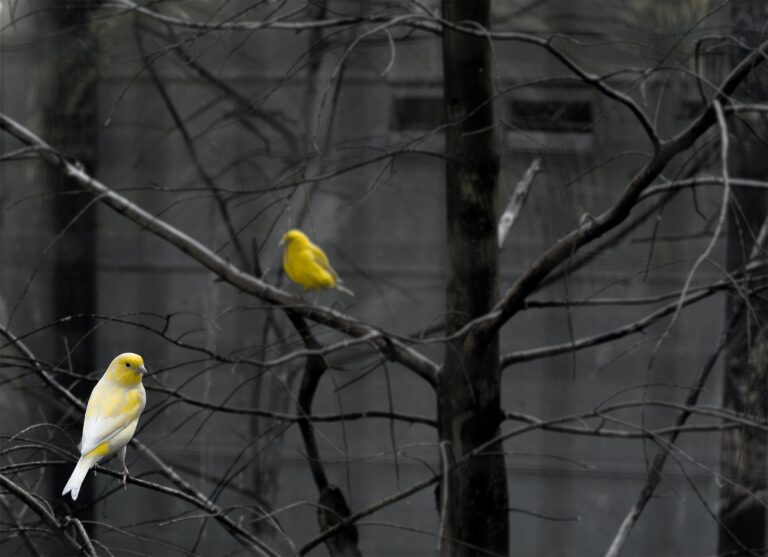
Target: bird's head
294	235
127	368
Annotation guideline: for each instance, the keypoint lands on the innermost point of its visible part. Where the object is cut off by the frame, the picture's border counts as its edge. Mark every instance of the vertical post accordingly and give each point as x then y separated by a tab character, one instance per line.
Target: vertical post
743	454
474	496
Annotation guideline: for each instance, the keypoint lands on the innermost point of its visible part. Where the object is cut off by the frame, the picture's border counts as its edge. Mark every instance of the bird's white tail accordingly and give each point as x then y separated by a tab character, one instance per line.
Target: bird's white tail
345	290
77	477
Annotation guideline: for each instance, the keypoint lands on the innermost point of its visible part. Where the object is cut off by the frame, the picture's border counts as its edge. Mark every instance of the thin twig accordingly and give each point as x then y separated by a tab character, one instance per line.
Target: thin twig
393	348
446	454
513	300
587	342
84	535
57	529
245	538
655	472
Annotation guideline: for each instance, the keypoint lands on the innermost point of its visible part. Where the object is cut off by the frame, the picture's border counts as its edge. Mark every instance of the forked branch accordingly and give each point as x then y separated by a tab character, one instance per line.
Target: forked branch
393	348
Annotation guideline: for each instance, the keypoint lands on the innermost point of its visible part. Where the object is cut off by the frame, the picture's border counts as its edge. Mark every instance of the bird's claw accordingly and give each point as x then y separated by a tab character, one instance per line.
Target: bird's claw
125	479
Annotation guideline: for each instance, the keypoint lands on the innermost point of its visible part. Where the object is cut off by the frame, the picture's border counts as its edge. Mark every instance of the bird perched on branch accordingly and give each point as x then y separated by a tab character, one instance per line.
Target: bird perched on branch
307	265
111	417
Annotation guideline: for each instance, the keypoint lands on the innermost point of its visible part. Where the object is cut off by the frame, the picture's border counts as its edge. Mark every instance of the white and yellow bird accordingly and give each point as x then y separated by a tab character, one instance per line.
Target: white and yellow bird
111	417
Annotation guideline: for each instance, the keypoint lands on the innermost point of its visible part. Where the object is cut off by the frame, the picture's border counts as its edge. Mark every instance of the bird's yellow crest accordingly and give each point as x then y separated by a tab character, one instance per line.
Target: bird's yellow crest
295	235
307	265
126	369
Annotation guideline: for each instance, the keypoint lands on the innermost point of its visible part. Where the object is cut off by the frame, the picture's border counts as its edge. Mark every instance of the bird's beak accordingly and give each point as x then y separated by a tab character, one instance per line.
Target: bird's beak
142	369
281	242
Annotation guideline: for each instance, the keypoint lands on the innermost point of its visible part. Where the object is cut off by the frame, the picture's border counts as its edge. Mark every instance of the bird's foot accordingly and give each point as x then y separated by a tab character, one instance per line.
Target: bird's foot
125	478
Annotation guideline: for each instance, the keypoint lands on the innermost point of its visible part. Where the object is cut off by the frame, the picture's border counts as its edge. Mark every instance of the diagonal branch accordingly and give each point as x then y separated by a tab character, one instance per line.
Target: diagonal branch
245	538
29	500
654	474
514	299
534	425
278	23
421	21
189	143
245	109
18	526
587	342
391	347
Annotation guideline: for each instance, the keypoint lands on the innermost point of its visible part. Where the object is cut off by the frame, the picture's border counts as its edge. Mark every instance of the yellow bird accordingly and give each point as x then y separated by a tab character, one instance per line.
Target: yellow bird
111	417
307	265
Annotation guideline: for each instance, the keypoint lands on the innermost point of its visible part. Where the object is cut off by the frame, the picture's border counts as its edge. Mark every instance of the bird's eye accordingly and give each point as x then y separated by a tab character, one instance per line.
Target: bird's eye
127	364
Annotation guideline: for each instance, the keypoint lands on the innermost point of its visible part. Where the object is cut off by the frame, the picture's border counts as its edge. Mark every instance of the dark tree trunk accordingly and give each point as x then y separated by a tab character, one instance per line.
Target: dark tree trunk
743	460
71	124
473	498
743	457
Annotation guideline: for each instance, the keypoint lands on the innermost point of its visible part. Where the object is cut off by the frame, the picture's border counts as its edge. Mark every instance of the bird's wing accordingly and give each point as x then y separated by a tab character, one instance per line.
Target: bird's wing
319	257
110	409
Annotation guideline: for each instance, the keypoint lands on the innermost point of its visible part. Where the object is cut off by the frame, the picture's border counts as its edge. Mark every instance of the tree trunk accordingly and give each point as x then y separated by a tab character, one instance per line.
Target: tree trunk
473	498
743	457
742	503
743	453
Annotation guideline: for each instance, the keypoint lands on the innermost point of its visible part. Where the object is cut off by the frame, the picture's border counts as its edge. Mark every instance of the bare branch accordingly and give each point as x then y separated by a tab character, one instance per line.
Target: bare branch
739	108
283	417
716	181
513	299
552	424
446	457
392	348
654	473
84	535
720	220
18	525
189	143
425	22
517	200
278	23
635	327
245	538
332	506
50	520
